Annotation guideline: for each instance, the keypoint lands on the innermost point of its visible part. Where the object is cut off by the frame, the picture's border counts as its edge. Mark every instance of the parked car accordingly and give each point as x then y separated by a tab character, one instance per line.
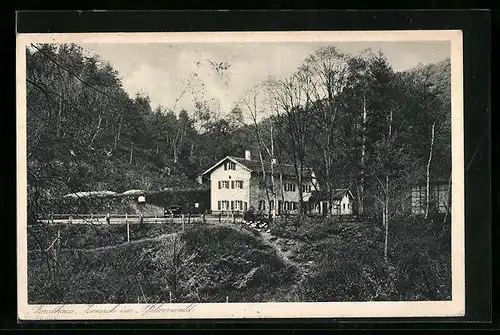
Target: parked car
173	210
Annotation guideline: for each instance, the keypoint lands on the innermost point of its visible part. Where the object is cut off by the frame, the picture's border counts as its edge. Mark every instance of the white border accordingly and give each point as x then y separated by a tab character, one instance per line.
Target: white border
455	307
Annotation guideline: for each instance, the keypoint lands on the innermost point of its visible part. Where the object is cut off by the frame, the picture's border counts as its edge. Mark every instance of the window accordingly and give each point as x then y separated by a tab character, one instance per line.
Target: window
306	188
224	184
440	197
289	187
418	199
287	206
224	205
294	206
229	166
239	183
262	205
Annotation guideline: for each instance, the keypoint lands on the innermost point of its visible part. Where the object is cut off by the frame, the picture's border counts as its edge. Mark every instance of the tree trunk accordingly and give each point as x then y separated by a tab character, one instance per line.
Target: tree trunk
175	154
363	152
97	130
131	154
117	137
273	185
387	198
59	112
386	217
427	176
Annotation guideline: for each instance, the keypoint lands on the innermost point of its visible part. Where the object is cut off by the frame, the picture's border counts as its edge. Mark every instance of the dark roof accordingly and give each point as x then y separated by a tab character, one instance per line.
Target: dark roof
284	169
337	194
256	167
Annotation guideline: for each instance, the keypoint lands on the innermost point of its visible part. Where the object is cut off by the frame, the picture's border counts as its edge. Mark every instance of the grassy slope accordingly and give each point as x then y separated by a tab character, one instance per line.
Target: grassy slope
348	264
223	262
341	262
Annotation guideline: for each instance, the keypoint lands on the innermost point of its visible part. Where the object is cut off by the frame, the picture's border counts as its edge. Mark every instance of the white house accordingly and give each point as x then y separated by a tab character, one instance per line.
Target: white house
236	184
342	202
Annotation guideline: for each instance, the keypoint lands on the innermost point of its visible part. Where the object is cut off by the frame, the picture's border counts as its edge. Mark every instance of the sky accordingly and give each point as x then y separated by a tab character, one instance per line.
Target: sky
164	71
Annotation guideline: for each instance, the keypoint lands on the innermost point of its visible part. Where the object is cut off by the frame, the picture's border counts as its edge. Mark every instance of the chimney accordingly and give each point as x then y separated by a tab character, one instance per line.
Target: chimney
247	155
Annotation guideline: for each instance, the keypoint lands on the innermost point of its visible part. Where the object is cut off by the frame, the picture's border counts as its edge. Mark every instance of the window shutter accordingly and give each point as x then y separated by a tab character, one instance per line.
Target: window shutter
219	184
232	205
232	183
218	205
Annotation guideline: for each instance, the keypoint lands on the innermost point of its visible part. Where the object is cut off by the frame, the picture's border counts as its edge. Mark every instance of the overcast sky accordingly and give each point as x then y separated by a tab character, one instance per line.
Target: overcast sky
162	71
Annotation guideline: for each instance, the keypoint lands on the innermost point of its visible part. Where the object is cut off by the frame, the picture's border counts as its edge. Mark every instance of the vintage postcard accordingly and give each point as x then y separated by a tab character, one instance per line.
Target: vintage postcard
310	174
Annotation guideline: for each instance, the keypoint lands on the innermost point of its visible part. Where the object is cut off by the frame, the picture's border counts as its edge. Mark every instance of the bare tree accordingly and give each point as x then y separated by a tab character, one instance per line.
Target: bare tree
250	101
324	76
285	97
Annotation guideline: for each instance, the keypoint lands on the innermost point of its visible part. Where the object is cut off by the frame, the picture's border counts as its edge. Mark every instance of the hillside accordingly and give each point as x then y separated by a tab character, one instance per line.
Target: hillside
318	261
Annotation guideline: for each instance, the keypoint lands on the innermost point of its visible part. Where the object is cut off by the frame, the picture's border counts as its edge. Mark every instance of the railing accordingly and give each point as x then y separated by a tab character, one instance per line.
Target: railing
117	218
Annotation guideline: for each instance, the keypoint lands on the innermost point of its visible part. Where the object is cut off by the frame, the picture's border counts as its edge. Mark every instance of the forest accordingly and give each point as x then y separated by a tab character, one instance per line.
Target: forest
356	120
352	118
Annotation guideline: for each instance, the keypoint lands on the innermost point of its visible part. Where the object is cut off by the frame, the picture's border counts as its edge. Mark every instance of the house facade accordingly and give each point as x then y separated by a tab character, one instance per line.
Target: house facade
342	202
237	184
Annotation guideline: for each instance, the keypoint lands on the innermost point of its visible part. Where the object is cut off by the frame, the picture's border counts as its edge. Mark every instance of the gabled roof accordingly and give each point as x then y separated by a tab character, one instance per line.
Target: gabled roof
256	167
210	169
338	194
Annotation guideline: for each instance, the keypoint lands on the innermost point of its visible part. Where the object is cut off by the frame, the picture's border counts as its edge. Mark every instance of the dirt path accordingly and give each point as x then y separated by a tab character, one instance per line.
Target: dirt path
274	242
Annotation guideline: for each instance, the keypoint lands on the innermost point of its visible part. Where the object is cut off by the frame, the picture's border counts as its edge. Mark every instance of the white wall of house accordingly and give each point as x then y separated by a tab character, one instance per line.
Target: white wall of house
346	205
287	194
236	194
339	207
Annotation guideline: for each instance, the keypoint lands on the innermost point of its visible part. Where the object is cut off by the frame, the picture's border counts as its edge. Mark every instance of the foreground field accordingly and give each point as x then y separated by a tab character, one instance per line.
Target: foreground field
318	261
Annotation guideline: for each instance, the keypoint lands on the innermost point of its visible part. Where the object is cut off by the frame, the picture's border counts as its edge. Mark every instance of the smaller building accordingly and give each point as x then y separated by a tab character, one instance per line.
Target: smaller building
342	202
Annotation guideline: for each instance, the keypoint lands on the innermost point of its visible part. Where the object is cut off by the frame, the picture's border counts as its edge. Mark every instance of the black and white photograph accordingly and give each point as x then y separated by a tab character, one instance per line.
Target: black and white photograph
240	175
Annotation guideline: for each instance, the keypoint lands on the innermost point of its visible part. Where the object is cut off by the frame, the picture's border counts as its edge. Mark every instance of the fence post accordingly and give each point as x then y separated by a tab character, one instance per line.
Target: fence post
170	296
227	299
70	219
